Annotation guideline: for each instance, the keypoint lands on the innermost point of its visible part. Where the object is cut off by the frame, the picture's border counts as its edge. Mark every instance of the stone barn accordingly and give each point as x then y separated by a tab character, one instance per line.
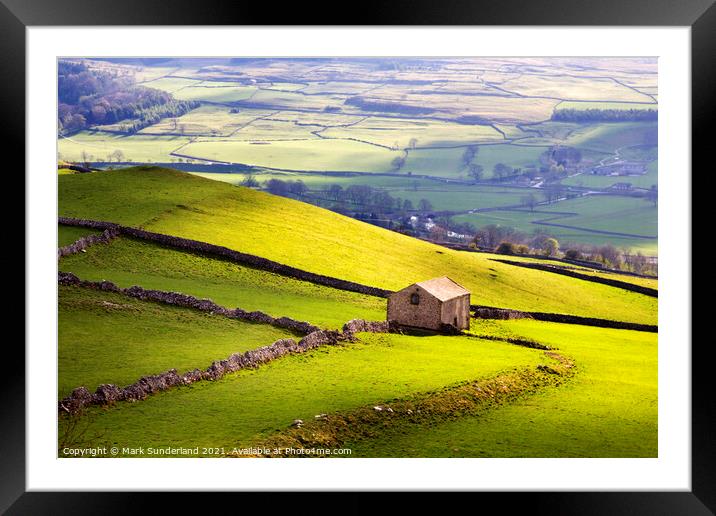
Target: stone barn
431	304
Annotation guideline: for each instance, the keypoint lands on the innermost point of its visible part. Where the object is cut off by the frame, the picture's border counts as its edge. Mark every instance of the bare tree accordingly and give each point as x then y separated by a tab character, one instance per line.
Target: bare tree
475	171
86	159
530	201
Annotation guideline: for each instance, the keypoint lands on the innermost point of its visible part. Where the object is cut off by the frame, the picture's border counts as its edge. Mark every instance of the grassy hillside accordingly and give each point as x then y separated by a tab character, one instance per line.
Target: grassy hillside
69	234
609	409
241	408
650	282
321	241
128	262
111	338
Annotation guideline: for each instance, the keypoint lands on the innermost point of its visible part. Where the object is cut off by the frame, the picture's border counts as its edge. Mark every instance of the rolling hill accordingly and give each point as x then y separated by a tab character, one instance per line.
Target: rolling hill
320	241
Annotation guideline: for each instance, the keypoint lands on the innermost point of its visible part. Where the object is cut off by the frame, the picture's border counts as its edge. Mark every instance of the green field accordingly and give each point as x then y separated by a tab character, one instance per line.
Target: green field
618	214
106	337
448	162
249	405
650	282
596	181
67	235
128	262
215	93
320	181
273	130
207	91
346	122
99	145
206	120
426	133
171	84
312	155
292	100
442	195
628	215
601	138
609	409
324	242
636	280
607	137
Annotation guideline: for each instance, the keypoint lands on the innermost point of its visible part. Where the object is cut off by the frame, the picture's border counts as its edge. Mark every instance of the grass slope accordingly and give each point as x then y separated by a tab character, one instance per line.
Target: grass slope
609	409
245	407
106	337
67	235
321	241
128	262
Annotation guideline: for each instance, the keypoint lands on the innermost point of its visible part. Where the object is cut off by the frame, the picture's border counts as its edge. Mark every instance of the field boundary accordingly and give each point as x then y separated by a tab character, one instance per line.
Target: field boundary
491	312
108	394
187	301
285	270
335	431
586	277
231	255
582	263
84	242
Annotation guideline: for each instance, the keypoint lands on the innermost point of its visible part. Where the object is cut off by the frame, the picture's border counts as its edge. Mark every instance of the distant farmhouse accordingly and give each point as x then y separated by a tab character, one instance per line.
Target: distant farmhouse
621	168
431	305
621	187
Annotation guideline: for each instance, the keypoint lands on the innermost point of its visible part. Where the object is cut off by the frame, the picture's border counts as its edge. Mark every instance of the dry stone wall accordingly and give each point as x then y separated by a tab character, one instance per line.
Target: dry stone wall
187	301
573	274
491	312
229	254
107	394
84	242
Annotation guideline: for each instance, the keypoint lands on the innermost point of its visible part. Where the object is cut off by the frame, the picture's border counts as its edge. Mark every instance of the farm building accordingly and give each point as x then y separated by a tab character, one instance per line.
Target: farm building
431	304
621	168
621	186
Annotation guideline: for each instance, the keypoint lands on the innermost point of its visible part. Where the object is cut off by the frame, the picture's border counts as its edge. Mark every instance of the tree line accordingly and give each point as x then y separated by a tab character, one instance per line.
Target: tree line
89	97
362	197
605	115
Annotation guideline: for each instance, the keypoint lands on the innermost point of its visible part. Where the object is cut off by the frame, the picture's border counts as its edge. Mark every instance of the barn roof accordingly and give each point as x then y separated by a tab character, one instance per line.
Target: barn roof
443	288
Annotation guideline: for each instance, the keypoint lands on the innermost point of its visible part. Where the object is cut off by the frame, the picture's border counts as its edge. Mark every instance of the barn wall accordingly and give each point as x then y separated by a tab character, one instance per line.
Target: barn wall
457	308
425	315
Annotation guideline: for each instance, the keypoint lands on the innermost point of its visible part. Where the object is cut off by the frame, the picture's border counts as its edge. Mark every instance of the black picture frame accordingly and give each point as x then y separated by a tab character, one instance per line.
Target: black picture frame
700	15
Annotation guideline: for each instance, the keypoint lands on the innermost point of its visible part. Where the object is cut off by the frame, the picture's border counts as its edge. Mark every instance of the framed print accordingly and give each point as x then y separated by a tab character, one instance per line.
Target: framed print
449	250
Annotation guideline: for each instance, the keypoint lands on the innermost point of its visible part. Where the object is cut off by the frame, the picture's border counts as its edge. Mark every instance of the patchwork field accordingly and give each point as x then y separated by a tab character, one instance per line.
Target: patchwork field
609	409
412	128
324	242
244	407
384	117
448	162
587	218
206	120
220	93
312	155
399	133
127	262
595	181
573	88
111	338
101	145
